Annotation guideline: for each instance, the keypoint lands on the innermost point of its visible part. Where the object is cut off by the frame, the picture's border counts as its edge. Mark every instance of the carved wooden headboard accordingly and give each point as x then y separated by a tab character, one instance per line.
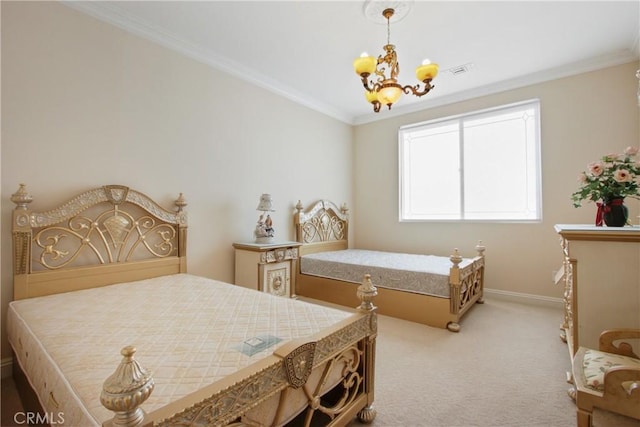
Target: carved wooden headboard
103	236
322	227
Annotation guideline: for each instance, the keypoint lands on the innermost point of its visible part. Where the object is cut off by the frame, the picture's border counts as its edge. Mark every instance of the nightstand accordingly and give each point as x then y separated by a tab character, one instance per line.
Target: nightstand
267	267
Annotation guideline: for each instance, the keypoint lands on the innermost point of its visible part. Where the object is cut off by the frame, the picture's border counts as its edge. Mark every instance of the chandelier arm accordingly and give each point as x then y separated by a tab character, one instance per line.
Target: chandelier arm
416	89
366	84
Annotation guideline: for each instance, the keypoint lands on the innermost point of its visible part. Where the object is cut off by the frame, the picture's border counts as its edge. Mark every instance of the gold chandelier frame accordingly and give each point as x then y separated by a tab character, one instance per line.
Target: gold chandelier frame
386	89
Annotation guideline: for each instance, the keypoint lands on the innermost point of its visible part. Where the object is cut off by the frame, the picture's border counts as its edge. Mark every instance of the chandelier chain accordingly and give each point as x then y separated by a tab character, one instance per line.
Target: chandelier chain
388	30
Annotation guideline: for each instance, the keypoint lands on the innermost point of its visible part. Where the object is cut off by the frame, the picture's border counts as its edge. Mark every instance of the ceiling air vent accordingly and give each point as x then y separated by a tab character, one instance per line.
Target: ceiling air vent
460	69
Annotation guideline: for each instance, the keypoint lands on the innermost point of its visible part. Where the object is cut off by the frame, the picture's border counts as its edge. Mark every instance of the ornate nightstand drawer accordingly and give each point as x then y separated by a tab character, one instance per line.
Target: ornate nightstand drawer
279	255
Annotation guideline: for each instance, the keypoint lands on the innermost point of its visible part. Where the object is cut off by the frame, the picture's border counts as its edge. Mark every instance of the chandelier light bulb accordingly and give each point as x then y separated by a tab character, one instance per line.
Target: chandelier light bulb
427	71
364	65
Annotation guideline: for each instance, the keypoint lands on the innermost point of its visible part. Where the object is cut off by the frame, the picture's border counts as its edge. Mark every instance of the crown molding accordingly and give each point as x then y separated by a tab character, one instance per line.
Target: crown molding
593	64
104	12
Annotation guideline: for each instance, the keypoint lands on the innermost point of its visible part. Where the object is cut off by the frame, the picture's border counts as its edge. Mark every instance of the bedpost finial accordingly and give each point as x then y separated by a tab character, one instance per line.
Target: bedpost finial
21	198
366	292
299	206
456	258
344	209
480	248
126	389
180	202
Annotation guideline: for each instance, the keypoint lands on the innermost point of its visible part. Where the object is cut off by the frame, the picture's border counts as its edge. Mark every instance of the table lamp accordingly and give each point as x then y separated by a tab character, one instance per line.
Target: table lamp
264	229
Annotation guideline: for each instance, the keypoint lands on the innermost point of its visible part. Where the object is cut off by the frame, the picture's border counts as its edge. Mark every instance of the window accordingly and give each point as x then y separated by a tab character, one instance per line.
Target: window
479	166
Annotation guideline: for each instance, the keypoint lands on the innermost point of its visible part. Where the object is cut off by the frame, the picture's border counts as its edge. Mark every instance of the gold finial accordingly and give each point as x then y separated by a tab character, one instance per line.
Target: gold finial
366	292
126	389
180	202
21	198
456	258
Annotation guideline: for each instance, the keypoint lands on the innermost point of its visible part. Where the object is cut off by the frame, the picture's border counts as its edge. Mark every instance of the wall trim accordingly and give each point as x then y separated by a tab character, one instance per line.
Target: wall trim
112	15
523	298
6	366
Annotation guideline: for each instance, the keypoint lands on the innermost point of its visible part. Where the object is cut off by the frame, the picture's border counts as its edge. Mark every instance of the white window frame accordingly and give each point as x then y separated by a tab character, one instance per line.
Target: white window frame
531	167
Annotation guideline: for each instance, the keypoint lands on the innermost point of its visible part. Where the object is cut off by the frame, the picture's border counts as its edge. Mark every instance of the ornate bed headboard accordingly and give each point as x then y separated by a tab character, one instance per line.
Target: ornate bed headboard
323	225
102	236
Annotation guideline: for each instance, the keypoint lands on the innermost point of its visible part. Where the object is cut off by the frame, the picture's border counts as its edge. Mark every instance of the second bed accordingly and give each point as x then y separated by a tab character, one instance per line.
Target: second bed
429	289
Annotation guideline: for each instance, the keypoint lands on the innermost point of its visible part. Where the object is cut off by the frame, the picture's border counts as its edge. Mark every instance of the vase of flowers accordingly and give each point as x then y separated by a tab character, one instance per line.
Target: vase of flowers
607	182
614	213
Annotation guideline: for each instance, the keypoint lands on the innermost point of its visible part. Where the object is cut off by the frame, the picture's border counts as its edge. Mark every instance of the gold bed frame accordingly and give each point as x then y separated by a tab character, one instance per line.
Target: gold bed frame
324	227
114	234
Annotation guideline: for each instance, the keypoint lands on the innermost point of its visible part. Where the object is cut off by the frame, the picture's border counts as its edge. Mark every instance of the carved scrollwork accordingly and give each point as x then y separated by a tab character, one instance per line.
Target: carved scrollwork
470	287
323	222
114	236
323	227
113	194
299	363
225	407
348	362
116	194
108	224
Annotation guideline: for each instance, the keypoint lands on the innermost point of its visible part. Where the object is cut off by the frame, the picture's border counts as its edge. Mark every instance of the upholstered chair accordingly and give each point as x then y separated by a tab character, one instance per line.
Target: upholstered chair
608	378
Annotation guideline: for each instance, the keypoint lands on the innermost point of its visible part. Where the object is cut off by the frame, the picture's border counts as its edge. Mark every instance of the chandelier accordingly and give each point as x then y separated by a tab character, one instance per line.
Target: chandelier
386	89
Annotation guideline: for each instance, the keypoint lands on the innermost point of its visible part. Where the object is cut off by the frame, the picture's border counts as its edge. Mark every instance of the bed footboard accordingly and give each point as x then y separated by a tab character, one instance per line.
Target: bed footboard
327	379
467	285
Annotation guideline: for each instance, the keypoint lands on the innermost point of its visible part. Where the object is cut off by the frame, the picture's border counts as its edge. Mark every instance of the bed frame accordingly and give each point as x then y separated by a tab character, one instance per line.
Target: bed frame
114	234
324	227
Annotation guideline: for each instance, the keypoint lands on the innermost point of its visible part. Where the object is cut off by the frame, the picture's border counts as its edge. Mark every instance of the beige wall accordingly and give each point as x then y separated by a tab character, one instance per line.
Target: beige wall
582	118
86	104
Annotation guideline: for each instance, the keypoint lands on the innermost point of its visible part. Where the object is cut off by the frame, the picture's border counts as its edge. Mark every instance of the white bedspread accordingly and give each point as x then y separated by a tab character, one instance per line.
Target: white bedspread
189	331
427	274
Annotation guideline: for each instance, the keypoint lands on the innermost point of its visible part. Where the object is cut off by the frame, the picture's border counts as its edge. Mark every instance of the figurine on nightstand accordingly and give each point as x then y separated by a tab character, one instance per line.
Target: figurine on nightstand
264	229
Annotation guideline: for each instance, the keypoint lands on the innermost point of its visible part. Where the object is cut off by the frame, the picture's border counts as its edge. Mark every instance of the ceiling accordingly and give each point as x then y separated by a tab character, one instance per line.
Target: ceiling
304	49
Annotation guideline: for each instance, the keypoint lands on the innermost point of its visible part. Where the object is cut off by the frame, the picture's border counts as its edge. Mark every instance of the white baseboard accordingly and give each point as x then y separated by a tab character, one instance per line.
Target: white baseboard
525	298
6	367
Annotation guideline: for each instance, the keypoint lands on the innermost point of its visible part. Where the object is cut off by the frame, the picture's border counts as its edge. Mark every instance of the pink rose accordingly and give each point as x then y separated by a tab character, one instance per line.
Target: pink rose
622	175
595	168
582	178
631	151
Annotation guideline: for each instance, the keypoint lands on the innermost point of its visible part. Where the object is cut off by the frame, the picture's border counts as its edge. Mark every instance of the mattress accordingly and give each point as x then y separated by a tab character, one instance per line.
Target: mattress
425	274
189	331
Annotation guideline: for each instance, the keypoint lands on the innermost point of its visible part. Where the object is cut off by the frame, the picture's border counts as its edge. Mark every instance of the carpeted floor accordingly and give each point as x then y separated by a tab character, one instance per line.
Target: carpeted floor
10	404
506	367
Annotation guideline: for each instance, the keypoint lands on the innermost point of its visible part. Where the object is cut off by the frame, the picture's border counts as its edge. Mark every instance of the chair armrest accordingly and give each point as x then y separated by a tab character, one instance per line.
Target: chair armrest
621	379
607	338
